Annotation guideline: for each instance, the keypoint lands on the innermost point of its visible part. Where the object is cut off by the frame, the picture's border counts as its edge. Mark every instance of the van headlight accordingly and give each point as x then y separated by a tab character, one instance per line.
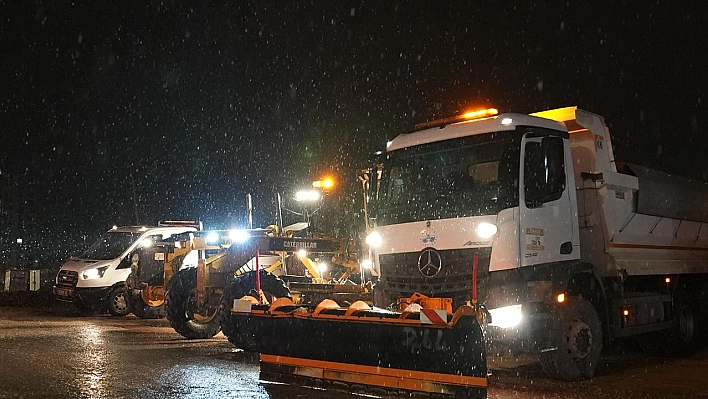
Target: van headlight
90	274
506	317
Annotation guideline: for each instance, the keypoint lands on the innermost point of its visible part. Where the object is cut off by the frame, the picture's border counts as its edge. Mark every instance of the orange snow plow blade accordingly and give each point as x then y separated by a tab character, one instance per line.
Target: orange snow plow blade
360	349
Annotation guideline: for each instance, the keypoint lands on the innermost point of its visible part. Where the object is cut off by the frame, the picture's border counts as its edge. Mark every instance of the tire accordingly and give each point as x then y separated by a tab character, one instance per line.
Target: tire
702	313
271	285
578	342
180	313
117	301
177	264
138	305
145	311
683	336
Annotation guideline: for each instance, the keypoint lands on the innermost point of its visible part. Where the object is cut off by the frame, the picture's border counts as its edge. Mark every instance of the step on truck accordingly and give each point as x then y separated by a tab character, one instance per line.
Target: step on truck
95	280
573	249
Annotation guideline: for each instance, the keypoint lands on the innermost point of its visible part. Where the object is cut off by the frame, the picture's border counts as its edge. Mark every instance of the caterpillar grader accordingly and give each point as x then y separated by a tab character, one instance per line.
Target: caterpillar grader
165	282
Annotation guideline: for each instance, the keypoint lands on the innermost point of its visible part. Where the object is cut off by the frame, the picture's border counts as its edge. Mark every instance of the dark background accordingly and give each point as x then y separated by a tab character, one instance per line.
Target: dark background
133	112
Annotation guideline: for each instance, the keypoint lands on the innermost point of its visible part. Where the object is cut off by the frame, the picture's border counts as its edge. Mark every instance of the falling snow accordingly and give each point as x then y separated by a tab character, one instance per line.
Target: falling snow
171	111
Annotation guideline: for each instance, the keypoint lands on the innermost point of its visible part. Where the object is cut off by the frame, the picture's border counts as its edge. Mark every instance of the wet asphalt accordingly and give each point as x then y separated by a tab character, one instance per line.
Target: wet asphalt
56	353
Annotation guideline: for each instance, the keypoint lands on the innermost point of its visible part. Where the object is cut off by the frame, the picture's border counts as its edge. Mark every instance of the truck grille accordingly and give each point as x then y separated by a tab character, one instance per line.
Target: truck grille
401	277
67	278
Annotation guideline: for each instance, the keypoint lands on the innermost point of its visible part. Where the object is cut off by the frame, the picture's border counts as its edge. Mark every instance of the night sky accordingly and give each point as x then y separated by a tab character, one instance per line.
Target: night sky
110	110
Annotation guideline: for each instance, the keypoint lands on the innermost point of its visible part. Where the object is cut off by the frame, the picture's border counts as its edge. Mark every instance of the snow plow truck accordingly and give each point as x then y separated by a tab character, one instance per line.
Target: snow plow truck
574	250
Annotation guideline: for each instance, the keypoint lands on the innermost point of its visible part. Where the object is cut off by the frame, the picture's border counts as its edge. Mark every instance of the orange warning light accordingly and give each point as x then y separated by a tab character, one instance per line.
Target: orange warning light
560	298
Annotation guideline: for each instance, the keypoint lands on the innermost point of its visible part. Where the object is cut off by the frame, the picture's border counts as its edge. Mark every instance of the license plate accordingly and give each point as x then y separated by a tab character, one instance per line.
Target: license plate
65	291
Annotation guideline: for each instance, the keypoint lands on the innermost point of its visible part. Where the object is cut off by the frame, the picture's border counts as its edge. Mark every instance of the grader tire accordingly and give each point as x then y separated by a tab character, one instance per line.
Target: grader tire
145	311
578	342
179	301
138	305
271	285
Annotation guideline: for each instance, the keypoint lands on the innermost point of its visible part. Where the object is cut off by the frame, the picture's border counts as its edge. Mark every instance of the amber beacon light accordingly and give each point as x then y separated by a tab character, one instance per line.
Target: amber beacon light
324	183
468	116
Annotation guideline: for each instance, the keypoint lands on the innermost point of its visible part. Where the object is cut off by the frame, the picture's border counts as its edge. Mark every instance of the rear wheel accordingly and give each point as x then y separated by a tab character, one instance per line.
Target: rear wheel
118	301
702	312
245	284
188	317
683	336
578	342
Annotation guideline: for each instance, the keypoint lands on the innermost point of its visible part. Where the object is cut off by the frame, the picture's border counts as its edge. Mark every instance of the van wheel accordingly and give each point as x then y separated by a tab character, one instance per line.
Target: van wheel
577	342
185	314
118	302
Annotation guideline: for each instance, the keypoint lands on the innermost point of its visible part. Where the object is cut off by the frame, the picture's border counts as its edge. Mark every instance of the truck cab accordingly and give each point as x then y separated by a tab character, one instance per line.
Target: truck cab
95	280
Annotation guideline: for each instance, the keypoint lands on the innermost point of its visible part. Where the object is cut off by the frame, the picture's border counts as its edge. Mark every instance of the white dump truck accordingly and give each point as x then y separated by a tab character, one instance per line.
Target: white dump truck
95	280
572	249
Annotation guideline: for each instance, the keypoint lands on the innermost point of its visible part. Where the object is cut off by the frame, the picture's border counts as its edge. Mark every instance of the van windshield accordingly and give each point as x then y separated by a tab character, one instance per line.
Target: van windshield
110	246
468	176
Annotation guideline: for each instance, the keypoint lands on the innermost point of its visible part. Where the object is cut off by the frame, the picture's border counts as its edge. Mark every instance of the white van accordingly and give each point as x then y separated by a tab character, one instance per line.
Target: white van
95	280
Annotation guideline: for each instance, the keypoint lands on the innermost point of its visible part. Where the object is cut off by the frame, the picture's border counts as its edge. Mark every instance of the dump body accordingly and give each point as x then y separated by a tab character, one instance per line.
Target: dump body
568	241
647	222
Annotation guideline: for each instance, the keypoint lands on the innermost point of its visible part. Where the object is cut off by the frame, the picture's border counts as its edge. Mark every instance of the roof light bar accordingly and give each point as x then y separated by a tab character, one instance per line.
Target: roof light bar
479	114
178	223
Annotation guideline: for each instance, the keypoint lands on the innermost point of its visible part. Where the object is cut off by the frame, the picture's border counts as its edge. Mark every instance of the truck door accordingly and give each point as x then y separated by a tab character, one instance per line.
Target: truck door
546	228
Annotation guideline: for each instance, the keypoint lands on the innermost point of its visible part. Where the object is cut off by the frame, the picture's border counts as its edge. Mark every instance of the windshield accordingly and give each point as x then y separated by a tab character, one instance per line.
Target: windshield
110	246
476	175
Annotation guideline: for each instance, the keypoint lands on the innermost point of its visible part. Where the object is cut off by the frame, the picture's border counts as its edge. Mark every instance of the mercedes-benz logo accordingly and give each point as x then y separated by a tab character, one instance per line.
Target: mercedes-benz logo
429	262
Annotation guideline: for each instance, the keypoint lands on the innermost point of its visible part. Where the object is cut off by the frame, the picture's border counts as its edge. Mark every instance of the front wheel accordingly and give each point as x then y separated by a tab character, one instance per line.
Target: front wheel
245	284
118	301
149	310
148	303
577	342
188	317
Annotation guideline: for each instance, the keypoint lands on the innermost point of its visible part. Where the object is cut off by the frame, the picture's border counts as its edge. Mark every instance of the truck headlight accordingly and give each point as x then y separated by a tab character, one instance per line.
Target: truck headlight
506	317
91	274
374	239
486	230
